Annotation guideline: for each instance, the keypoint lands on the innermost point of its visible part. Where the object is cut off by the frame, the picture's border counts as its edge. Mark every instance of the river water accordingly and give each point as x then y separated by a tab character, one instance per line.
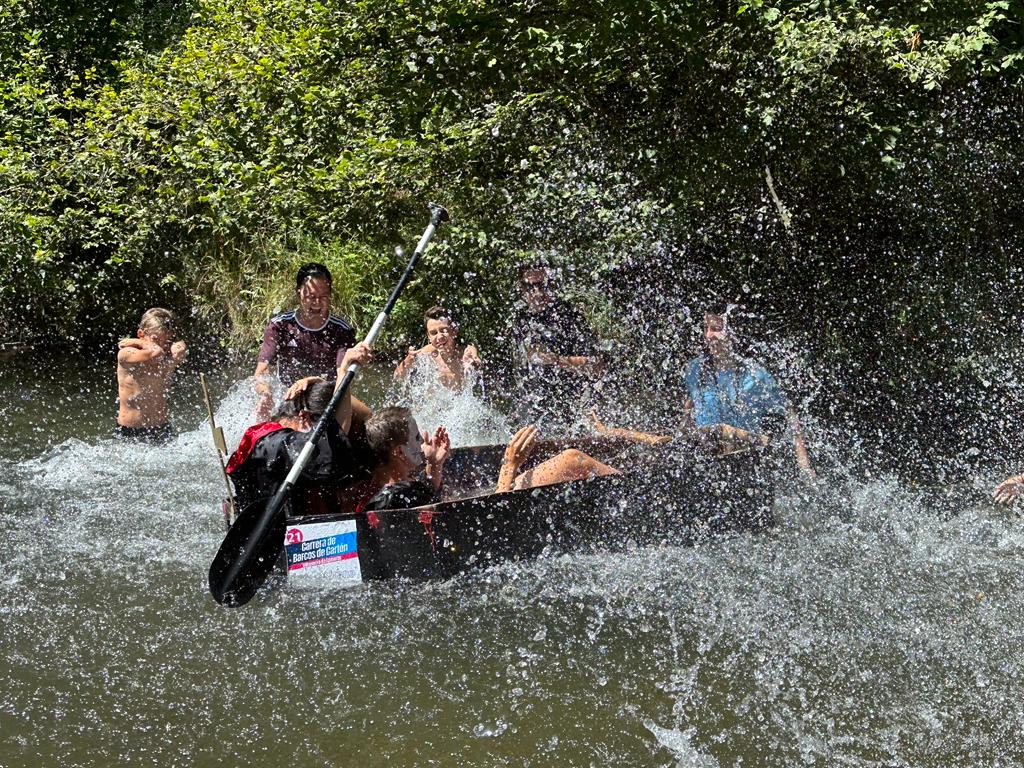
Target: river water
879	625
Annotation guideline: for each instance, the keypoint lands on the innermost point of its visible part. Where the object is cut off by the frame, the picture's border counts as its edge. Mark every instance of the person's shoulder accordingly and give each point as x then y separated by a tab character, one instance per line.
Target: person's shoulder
410	493
339	322
691	366
282	318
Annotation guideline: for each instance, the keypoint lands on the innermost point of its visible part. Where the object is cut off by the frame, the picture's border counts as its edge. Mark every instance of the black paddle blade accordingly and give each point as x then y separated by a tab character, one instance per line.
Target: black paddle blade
260	556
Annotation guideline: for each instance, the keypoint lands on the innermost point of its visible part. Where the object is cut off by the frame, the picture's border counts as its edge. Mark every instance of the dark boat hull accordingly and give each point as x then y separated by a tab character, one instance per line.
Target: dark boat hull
693	500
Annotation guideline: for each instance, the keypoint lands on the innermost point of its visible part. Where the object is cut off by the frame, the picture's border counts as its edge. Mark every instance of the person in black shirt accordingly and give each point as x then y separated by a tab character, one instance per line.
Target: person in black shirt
402	454
557	355
268	450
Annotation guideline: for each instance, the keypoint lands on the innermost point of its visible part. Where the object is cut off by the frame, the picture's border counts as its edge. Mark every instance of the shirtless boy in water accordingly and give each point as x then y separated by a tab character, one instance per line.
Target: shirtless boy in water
144	368
443	350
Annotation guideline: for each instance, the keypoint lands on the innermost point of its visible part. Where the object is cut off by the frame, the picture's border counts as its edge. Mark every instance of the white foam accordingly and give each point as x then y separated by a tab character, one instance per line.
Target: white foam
465	413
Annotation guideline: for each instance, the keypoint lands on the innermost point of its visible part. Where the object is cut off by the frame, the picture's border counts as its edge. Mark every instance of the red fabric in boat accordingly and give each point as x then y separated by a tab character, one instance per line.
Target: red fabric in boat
248	443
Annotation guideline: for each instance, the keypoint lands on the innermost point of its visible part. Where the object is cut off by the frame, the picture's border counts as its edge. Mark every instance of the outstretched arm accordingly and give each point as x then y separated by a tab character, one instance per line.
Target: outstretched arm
590	365
648	438
803	459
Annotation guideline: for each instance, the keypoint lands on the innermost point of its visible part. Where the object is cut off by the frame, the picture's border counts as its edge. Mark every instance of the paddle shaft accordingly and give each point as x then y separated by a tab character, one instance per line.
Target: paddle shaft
276	505
218	443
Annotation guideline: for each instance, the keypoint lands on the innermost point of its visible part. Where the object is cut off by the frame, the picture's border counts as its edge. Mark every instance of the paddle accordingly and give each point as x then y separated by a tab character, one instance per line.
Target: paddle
254	543
222	449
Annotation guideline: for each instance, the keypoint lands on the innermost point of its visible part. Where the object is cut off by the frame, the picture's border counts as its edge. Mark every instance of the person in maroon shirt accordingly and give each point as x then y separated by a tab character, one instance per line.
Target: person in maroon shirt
308	341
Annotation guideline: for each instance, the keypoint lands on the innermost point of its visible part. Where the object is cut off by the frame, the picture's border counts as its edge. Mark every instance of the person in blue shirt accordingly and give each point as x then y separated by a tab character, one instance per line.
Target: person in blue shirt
727	389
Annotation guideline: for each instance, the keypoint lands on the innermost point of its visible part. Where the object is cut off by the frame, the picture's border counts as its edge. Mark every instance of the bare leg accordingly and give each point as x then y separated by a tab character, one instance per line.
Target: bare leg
627	434
566	466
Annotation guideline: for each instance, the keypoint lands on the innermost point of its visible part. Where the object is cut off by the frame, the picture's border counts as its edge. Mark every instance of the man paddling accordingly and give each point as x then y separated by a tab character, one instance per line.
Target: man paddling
268	450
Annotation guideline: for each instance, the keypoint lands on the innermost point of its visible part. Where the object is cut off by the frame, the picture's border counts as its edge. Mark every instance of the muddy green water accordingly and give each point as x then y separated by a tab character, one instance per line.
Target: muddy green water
870	629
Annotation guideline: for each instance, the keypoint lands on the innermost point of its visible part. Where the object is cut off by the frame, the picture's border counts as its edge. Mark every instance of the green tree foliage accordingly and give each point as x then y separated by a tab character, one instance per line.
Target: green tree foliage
197	161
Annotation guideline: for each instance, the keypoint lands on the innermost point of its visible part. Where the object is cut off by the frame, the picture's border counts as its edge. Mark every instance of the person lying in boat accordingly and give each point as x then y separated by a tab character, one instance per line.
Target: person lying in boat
306	341
145	365
442	353
267	450
1008	490
725	388
410	464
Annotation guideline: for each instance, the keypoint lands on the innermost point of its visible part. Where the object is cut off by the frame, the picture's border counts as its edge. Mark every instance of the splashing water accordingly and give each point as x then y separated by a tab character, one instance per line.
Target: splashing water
469	419
873	627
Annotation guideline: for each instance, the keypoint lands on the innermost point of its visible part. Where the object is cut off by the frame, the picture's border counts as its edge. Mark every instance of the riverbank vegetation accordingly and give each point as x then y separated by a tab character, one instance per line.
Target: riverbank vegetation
850	171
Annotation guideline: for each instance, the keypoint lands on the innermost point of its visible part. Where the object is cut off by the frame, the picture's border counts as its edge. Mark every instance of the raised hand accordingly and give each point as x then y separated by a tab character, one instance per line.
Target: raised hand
360	354
301	386
521	446
470	358
407	362
437	449
518	450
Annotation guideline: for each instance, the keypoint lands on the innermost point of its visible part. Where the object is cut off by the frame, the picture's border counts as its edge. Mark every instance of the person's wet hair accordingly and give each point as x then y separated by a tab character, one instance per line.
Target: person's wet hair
311	271
156	318
387	428
313	400
438	313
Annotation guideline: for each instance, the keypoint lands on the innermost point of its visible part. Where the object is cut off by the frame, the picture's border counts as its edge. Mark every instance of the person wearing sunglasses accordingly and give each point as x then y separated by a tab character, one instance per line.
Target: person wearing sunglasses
557	357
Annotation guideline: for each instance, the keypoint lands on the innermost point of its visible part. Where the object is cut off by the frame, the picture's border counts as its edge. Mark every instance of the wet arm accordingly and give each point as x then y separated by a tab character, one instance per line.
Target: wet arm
634	436
360	355
261	379
136	354
361	410
405	367
266	357
344	413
